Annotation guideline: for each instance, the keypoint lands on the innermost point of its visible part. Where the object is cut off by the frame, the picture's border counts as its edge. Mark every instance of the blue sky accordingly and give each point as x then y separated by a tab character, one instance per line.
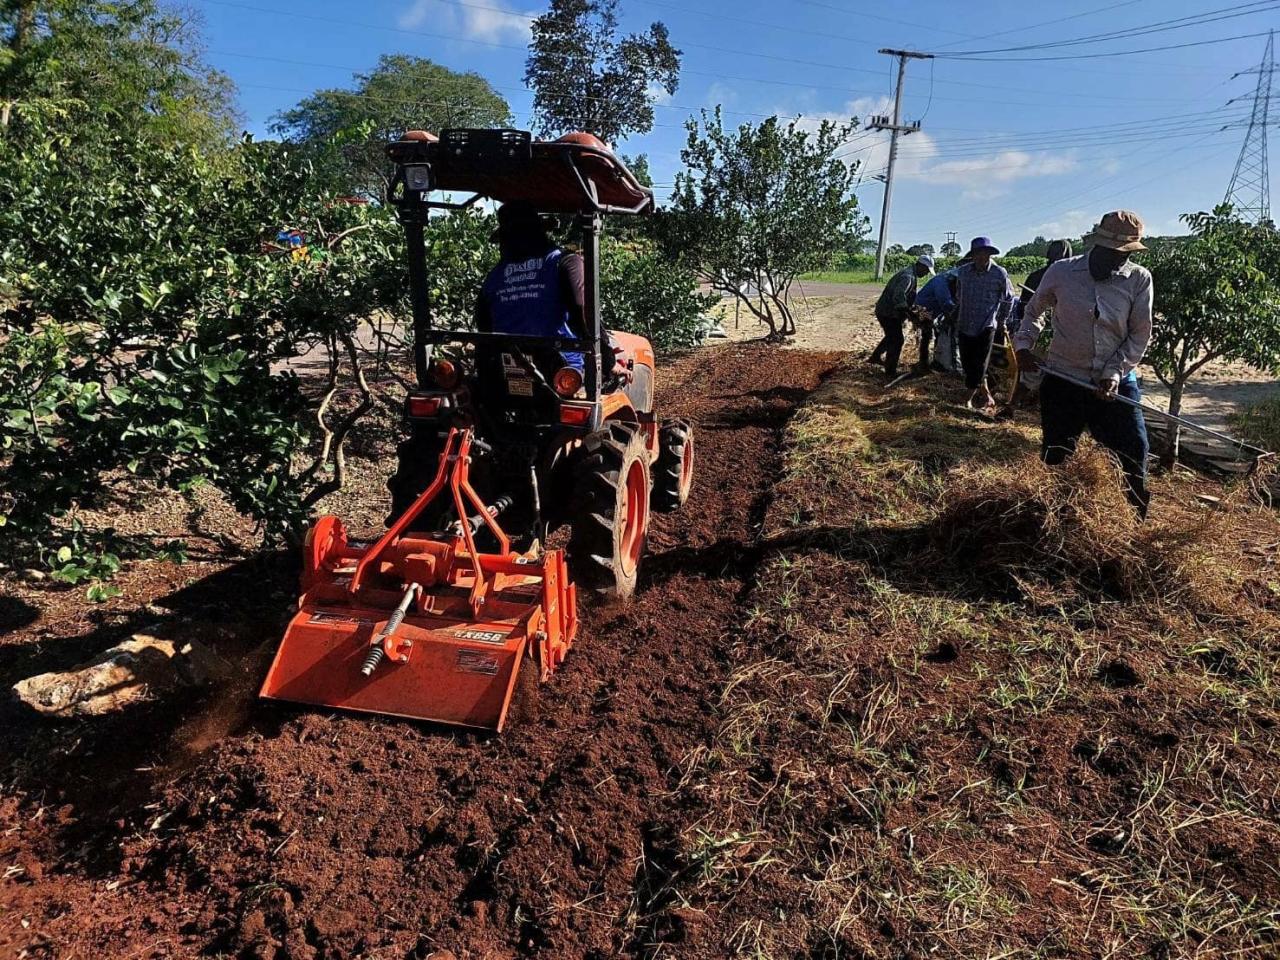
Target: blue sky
1008	149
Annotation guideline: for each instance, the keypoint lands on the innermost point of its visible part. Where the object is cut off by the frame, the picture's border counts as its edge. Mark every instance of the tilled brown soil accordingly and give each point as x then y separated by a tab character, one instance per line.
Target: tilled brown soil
238	828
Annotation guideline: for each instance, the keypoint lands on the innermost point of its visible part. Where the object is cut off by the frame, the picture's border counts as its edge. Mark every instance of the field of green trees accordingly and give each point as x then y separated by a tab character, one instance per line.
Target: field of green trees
158	270
152	296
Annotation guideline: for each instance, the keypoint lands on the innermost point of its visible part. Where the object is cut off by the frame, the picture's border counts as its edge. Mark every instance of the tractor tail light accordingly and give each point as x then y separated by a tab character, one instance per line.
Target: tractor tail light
576	415
424	406
445	374
568	381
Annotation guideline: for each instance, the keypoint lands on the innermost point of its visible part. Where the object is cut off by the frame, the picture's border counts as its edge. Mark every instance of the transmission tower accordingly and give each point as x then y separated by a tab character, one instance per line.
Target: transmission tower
1250	190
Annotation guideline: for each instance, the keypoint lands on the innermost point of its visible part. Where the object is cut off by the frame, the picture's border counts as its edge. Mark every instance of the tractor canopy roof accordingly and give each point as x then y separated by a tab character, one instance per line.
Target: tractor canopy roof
575	174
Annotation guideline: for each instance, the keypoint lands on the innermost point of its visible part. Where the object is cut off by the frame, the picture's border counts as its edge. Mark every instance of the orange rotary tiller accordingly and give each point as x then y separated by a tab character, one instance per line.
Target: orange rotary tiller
425	627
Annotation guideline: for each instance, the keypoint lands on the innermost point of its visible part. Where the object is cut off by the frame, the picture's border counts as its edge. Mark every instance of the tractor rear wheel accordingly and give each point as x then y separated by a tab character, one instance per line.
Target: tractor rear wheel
610	518
417	460
673	470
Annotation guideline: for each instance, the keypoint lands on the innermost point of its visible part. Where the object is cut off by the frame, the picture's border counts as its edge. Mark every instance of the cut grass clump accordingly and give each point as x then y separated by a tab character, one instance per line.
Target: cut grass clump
1069	531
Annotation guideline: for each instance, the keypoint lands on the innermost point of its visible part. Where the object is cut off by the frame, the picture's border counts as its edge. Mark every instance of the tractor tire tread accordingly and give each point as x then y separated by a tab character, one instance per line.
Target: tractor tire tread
668	472
592	536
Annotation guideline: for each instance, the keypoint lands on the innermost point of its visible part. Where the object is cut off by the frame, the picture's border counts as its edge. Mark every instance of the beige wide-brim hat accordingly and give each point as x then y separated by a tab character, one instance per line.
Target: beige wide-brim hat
1119	230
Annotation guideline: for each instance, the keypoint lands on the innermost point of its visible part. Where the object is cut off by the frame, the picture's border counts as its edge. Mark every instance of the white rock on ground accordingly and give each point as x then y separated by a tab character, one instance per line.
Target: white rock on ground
139	669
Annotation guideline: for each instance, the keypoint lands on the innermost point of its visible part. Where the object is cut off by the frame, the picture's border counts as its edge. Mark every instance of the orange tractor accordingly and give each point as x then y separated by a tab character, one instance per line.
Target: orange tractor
461	604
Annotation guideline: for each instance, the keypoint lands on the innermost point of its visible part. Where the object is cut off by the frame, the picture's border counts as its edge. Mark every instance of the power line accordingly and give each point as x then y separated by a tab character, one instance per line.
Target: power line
1072	196
1180	23
1096	56
692	72
872	16
1108	9
1138	123
446	82
1111	138
1037	151
493	44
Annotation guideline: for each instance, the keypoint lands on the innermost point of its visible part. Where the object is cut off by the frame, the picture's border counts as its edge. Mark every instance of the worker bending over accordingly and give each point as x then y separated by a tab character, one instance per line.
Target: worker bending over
1101	327
892	310
936	307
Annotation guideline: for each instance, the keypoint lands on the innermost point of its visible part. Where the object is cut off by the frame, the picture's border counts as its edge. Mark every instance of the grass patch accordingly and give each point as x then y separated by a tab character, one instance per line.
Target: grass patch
1259	424
979	711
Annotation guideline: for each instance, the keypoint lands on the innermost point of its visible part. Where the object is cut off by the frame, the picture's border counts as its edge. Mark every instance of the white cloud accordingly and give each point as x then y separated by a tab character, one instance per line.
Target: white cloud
1073	223
720	95
491	22
1003	167
920	156
657	93
984	193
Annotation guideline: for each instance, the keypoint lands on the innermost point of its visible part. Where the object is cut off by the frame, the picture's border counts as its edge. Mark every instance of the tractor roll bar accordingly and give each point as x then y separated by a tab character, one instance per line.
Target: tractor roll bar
563	176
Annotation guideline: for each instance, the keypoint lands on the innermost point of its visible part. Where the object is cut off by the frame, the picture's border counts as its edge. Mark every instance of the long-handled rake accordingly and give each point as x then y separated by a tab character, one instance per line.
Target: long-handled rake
1191	425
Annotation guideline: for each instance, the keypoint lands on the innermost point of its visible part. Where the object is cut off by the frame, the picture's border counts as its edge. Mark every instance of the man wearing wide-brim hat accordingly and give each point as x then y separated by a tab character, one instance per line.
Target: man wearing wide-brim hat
1102	305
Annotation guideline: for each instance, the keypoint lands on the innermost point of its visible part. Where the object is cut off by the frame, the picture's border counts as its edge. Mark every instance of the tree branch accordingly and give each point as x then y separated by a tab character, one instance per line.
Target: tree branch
336	440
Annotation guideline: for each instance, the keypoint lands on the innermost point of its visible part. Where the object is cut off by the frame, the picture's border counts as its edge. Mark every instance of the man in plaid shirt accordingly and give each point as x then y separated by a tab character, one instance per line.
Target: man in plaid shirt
984	299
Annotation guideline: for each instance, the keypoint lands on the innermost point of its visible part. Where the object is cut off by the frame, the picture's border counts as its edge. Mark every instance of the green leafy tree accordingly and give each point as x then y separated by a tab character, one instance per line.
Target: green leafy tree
642	291
920	249
760	205
585	77
1036	248
950	249
149	312
1217	297
639	166
129	65
346	130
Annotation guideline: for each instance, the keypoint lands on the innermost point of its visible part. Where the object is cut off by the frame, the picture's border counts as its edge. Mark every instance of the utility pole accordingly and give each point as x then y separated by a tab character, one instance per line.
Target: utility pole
896	128
1250	189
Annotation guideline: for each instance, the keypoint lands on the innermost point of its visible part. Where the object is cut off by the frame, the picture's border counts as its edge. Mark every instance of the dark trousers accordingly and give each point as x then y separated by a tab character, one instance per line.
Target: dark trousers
974	353
890	346
1066	411
926	338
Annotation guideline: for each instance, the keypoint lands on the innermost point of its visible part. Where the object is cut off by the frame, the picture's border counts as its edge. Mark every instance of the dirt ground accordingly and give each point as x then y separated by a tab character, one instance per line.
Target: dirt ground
979	711
878	697
232	827
839	316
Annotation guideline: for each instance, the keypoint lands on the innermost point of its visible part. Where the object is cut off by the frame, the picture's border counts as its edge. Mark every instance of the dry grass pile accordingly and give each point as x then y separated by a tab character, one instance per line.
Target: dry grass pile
978	710
1067	532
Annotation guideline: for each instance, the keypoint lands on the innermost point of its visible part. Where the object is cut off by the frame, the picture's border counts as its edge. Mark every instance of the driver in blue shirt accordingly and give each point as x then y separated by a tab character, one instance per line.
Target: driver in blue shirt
536	289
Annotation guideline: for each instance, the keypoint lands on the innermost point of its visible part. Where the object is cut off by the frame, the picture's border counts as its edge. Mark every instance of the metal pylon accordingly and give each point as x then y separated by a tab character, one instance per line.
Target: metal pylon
1250	190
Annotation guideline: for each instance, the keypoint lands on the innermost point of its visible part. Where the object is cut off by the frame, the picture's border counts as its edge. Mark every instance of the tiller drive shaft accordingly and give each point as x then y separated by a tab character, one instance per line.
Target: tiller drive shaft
425	626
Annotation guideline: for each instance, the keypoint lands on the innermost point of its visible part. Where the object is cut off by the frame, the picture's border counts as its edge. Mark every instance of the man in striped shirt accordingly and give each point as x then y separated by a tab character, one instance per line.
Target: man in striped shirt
984	298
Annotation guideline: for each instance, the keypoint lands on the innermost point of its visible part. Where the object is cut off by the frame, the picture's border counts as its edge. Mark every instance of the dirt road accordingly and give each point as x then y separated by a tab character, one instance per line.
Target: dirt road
238	828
